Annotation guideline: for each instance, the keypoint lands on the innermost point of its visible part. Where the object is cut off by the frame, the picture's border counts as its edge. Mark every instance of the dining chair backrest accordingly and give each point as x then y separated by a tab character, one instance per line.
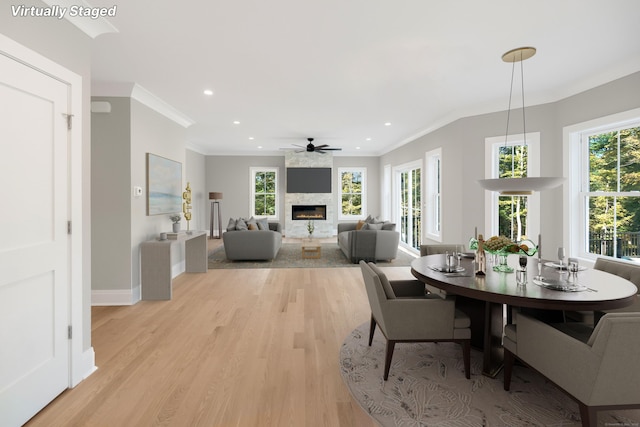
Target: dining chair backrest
622	268
440	249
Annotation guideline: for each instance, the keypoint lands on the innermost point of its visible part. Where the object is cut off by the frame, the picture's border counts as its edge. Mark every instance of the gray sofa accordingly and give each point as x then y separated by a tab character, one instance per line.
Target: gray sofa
368	245
253	245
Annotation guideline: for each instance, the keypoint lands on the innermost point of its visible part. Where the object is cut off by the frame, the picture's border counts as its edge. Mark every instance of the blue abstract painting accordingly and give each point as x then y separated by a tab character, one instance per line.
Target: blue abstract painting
164	185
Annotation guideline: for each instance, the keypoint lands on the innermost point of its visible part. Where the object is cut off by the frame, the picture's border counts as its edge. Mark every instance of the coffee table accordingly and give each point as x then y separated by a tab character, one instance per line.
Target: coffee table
311	249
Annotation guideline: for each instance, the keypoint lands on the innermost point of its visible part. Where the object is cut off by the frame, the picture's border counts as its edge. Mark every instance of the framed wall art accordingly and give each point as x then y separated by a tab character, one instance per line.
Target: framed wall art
164	185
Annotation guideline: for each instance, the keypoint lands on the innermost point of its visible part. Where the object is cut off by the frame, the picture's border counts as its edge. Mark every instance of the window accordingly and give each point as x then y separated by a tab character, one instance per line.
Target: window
434	186
352	193
515	217
408	203
264	192
605	184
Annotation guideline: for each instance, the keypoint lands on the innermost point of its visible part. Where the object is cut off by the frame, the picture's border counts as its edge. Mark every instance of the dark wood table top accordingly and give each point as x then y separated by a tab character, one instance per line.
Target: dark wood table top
607	291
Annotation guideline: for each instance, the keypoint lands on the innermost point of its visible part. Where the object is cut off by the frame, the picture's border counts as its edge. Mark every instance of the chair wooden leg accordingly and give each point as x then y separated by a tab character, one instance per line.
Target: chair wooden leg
466	356
372	329
588	415
508	368
389	354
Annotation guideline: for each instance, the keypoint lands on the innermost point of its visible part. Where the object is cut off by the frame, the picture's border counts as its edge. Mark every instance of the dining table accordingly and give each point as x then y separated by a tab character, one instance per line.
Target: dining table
489	299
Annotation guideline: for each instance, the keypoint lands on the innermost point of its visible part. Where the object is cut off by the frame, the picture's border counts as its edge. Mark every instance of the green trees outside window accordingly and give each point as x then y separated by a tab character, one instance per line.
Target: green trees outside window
264	193
613	196
512	210
351	185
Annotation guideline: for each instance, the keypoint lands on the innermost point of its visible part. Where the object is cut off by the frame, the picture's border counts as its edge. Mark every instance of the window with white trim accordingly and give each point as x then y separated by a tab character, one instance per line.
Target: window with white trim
264	192
605	185
352	193
515	217
433	161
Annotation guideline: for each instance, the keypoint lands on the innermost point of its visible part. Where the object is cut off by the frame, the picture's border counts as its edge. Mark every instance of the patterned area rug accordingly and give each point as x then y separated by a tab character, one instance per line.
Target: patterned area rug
427	387
290	256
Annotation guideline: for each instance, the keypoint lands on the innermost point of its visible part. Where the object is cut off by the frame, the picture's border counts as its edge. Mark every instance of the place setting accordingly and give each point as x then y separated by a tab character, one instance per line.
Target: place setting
567	280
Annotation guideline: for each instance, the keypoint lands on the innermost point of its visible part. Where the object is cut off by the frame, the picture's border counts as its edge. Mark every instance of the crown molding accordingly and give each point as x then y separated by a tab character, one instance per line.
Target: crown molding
90	26
142	95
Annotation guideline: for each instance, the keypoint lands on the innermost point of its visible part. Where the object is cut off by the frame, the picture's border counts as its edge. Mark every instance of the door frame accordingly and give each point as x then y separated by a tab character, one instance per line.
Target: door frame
81	359
397	170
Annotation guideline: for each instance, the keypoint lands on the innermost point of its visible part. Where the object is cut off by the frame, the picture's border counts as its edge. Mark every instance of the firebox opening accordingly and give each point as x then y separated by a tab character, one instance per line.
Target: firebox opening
309	212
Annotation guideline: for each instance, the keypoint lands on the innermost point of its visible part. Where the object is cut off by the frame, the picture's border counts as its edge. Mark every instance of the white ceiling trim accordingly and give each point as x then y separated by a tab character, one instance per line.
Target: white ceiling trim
142	95
90	26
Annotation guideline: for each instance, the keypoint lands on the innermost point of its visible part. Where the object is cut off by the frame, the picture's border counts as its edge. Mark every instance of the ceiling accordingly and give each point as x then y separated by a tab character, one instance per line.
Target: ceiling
338	70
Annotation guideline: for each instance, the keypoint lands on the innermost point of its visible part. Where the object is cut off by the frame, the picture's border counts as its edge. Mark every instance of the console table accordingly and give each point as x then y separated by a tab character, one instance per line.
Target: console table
155	263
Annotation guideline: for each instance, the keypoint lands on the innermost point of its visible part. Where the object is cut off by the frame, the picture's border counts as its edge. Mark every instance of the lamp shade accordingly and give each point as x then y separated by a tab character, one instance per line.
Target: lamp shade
520	186
215	196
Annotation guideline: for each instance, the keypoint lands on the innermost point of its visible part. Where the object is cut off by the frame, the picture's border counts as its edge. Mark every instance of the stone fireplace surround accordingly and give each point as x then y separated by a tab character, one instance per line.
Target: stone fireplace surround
296	228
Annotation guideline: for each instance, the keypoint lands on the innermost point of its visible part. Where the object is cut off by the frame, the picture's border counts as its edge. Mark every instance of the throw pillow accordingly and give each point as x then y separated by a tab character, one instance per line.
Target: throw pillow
252	221
263	224
232	224
374	226
359	224
241	224
389	226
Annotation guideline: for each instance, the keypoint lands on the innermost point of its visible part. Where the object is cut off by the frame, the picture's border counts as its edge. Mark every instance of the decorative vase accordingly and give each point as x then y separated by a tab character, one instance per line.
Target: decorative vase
176	227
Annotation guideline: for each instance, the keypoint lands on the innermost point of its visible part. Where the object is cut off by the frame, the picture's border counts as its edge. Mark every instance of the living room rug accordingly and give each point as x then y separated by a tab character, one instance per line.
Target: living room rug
290	256
427	387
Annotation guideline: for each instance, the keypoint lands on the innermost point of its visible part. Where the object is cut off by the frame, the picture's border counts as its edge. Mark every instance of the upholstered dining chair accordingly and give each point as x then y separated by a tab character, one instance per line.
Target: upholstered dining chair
599	373
627	270
405	313
439	249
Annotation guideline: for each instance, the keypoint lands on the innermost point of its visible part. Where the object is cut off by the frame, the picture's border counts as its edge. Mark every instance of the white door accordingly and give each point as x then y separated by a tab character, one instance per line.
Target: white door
34	243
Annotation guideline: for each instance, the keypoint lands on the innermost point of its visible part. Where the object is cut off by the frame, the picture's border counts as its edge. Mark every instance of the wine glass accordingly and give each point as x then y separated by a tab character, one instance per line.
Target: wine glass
561	254
459	255
523	262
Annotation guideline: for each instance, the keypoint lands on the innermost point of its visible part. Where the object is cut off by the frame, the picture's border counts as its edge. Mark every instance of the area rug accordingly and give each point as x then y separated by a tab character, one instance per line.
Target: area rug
290	256
427	387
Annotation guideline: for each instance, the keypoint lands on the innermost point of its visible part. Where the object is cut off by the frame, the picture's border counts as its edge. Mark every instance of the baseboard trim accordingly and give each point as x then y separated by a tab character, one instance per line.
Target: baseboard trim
112	297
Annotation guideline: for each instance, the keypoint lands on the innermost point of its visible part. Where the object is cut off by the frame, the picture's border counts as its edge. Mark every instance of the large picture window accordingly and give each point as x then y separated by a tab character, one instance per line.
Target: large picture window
515	217
352	193
264	192
433	183
603	164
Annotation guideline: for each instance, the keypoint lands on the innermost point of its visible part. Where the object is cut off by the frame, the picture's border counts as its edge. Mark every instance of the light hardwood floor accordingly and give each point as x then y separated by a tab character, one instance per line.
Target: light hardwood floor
233	348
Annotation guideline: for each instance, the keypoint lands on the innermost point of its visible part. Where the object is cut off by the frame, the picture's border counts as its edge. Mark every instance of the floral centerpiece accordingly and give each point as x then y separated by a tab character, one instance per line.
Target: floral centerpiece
502	247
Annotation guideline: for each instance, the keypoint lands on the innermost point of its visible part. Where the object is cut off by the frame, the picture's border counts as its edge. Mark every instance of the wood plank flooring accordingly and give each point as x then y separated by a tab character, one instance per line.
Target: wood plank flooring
233	348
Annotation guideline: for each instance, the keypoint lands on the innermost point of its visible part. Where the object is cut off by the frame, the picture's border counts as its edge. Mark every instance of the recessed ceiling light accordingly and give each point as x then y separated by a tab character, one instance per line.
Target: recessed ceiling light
251	138
388	124
259	146
368	139
236	122
208	92
357	148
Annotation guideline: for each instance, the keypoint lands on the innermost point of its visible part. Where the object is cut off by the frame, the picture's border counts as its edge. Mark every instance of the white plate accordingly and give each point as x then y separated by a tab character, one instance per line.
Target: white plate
445	269
558	285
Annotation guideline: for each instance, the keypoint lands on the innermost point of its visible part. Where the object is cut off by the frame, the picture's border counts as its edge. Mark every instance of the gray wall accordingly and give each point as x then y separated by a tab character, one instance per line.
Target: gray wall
462	145
111	195
66	45
196	175
230	175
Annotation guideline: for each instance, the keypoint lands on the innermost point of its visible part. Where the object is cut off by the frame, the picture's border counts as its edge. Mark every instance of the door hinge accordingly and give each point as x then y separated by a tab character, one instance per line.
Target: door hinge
68	227
70	332
69	118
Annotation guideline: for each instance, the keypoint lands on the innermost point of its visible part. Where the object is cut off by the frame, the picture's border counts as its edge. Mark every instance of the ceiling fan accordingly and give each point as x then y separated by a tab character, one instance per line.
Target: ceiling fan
315	148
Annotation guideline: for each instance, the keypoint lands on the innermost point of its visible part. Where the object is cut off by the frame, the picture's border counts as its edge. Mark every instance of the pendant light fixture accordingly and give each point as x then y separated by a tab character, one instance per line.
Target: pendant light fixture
522	186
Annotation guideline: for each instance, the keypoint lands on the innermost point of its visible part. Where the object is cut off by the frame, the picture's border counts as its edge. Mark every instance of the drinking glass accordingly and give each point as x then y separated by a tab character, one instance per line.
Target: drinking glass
523	262
459	255
521	277
561	254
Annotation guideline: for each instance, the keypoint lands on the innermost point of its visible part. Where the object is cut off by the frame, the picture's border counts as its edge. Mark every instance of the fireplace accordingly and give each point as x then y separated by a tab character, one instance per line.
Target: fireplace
307	212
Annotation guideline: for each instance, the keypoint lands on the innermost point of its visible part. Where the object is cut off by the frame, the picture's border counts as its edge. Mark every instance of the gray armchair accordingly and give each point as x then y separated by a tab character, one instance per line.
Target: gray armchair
601	373
439	249
405	313
627	270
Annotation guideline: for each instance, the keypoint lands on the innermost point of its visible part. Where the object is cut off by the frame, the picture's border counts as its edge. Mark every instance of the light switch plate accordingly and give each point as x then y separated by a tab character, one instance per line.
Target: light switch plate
137	191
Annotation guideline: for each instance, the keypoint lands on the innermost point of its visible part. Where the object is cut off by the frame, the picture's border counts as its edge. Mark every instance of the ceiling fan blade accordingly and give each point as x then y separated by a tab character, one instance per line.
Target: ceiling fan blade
332	149
321	146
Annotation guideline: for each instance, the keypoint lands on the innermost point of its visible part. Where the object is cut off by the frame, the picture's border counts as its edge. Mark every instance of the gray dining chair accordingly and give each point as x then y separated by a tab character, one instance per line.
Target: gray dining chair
440	249
599	370
405	313
629	270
